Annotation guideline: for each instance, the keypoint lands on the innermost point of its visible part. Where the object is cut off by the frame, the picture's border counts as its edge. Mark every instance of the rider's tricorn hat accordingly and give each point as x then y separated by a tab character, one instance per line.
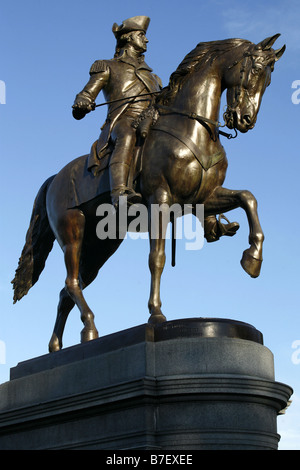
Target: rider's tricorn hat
136	23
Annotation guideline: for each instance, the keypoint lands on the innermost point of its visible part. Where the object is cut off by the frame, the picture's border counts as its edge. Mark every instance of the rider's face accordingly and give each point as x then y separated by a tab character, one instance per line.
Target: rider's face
139	41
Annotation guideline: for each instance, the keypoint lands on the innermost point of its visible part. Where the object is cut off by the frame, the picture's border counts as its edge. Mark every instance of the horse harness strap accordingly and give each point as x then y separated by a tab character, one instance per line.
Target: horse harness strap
206	161
200	119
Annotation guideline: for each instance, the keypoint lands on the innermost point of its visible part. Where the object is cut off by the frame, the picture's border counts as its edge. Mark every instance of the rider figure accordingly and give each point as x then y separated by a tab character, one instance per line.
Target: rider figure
122	77
125	76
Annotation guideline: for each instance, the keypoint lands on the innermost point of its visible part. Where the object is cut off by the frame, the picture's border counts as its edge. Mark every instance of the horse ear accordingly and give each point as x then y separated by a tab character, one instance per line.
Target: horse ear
279	52
267	43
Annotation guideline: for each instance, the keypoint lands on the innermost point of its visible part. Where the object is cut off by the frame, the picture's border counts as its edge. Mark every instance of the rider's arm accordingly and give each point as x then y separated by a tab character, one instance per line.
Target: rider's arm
85	100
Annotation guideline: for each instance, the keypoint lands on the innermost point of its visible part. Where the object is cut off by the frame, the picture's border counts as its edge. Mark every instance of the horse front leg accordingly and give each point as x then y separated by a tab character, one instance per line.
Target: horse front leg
157	259
252	257
223	200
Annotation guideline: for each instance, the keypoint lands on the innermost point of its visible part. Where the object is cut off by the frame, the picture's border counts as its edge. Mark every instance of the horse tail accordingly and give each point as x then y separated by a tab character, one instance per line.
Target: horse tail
38	244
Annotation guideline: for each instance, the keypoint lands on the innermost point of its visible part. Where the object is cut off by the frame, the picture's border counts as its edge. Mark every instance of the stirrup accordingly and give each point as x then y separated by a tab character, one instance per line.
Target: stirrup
130	194
219	229
229	229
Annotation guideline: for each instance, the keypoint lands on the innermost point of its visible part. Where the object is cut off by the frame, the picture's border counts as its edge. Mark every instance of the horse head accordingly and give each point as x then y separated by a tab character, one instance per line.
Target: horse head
246	81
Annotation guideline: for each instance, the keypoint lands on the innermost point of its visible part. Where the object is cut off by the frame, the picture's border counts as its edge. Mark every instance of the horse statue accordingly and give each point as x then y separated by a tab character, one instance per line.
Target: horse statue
183	162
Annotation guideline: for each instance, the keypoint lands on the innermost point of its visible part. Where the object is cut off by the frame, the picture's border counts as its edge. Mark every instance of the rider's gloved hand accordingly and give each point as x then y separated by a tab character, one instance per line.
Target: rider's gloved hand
81	107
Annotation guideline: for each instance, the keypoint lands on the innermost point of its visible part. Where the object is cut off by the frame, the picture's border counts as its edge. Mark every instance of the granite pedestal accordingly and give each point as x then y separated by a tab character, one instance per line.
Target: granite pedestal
187	384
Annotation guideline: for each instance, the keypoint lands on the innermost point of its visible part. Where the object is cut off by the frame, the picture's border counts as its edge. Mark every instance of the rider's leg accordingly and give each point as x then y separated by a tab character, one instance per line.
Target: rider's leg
124	137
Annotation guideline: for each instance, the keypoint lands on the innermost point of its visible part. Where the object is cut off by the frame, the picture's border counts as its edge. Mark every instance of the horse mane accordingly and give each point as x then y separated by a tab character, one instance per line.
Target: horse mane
199	57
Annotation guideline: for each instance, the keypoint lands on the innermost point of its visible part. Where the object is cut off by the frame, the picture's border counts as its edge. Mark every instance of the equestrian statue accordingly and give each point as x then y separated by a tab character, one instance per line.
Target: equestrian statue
158	146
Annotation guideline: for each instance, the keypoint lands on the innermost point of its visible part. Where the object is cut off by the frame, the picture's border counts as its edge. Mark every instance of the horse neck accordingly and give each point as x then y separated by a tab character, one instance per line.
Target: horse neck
201	94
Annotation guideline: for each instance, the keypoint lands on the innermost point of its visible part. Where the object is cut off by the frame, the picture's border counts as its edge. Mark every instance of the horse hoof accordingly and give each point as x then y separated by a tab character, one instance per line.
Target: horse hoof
54	344
88	334
154	319
251	265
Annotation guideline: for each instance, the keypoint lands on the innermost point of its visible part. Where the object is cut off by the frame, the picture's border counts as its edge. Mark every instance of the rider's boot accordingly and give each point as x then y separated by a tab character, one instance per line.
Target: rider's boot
214	228
118	184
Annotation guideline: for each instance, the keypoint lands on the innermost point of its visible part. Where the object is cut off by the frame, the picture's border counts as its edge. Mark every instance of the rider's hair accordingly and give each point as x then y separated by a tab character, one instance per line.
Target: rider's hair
121	42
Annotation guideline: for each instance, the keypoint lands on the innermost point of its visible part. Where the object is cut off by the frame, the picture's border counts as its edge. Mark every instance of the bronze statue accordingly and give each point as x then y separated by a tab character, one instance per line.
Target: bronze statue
181	161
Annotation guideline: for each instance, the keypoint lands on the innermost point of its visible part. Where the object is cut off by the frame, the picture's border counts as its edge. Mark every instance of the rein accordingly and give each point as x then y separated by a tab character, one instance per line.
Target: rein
200	119
126	98
197	117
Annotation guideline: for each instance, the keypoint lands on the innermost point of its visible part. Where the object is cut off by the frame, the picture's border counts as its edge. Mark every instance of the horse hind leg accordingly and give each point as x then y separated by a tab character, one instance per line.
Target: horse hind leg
65	305
94	255
73	232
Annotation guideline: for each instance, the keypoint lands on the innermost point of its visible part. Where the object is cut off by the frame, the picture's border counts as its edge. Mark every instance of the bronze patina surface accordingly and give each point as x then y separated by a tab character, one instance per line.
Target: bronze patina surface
159	148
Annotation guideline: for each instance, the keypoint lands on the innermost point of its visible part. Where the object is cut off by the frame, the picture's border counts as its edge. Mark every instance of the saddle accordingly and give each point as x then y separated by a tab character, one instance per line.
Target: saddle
97	164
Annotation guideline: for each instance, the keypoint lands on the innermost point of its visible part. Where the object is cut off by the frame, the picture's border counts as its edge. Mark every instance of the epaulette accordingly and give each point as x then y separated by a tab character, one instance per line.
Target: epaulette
98	66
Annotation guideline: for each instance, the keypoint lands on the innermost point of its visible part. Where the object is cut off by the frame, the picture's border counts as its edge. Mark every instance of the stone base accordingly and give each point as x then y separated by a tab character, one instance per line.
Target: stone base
187	384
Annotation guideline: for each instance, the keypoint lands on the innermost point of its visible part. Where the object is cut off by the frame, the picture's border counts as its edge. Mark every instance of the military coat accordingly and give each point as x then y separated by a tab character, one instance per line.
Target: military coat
121	77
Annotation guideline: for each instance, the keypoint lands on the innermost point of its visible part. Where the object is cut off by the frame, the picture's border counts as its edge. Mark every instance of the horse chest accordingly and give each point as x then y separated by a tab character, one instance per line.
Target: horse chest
184	176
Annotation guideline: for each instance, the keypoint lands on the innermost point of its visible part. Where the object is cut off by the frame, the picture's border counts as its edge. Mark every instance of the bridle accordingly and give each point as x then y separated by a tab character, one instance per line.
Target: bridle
227	116
229	109
248	55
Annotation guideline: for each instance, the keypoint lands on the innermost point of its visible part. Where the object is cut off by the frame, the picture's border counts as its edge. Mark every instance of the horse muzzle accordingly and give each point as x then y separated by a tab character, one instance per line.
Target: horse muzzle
243	121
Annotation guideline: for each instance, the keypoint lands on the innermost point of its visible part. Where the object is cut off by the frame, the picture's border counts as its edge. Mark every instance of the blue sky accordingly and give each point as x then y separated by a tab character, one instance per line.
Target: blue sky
47	49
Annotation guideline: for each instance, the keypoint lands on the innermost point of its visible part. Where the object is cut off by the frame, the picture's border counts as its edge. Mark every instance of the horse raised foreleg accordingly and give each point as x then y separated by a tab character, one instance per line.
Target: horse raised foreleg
223	200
